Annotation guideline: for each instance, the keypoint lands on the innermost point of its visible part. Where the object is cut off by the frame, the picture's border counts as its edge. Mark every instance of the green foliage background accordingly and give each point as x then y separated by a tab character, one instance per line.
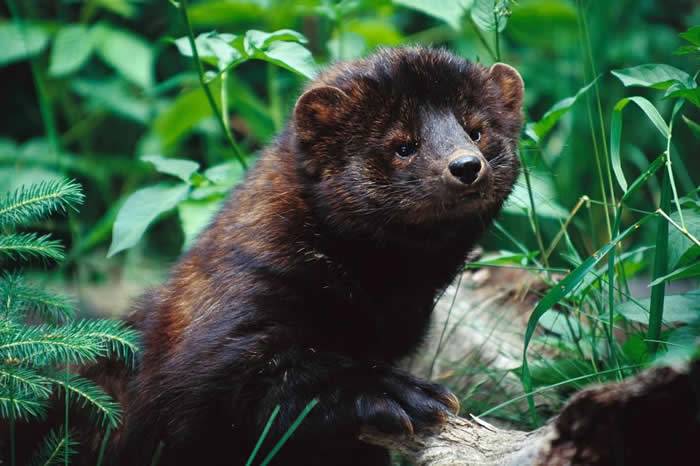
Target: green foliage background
107	92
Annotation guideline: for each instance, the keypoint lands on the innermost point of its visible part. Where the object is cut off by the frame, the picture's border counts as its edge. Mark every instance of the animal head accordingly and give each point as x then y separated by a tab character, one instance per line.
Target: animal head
410	136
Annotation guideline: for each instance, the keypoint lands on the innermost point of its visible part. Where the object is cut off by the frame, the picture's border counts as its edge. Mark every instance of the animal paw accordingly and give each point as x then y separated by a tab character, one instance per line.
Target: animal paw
402	404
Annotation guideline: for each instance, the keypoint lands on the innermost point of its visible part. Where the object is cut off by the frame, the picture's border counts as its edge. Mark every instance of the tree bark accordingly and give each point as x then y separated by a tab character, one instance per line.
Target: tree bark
652	419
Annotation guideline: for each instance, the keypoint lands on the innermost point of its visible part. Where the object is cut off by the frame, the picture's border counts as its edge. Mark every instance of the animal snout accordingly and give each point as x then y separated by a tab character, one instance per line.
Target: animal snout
468	169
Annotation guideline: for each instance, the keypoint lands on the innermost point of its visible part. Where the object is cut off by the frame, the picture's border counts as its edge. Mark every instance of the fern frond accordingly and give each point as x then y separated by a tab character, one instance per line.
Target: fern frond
118	339
23	380
48	344
30	203
27	299
20	405
88	394
25	245
53	448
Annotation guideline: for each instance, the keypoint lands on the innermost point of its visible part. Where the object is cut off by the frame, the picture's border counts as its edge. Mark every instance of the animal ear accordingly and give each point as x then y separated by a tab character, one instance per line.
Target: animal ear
318	110
511	84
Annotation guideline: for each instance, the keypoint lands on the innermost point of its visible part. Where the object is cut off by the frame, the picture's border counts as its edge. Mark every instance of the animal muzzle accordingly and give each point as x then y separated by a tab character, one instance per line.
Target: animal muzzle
468	169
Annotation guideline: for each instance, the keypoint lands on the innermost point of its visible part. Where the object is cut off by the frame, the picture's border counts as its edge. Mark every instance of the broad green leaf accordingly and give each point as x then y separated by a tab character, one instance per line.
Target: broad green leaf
225	174
115	96
182	168
544	195
140	210
544	24
561	290
692	35
20	41
691	95
71	49
125	8
489	15
689	271
616	132
183	114
224	13
550	372
292	56
657	76
537	130
683	345
678	308
213	48
258	40
694	127
347	46
195	216
127	53
449	11
681	250
686	50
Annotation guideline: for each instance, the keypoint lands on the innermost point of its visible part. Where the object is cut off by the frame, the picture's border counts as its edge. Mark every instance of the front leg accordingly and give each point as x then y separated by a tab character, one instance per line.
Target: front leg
351	396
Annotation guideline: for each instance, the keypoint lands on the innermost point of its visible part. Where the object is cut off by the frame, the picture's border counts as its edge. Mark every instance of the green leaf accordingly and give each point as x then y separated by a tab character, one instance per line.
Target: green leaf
213	48
449	11
682	250
226	174
686	50
657	76
182	115
689	271
691	95
292	56
195	216
694	127
544	24
21	41
125	8
140	210
71	49
259	40
678	308
127	53
550	372
489	15
616	132
182	168
538	130
115	96
692	35
644	176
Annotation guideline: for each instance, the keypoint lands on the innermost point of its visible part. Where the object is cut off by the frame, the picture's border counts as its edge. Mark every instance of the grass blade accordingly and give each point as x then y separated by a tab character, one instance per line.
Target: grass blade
560	291
289	432
263	435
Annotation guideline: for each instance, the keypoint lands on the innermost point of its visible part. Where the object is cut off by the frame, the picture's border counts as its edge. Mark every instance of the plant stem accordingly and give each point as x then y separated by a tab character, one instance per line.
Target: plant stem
212	103
591	125
495	33
659	269
533	212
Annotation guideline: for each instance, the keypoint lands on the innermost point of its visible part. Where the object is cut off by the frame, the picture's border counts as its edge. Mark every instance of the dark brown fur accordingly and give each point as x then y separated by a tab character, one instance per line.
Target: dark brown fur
321	270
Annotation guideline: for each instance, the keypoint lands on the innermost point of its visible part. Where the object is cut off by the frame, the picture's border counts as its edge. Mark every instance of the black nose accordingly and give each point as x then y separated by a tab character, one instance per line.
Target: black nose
466	168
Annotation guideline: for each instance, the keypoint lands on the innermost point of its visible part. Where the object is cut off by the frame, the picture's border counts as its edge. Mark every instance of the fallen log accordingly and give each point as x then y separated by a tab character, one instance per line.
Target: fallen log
652	419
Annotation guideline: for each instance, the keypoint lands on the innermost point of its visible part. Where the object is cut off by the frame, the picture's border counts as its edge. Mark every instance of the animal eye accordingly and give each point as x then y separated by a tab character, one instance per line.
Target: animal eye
406	149
475	135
